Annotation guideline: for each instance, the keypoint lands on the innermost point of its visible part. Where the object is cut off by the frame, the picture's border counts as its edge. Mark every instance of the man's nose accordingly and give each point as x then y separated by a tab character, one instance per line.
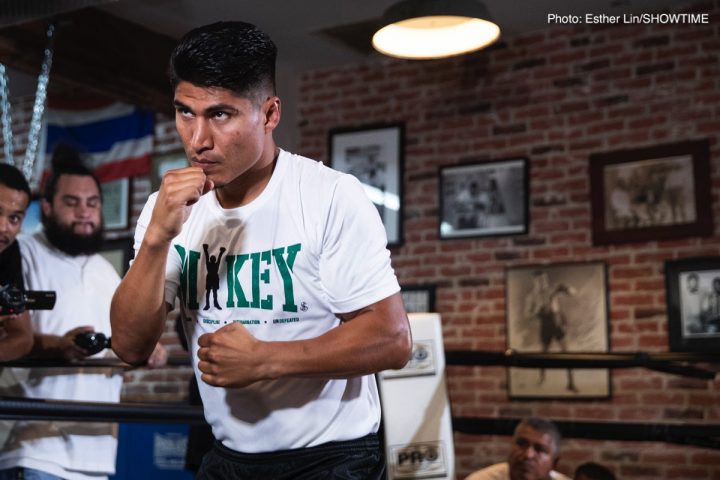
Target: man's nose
82	211
529	452
201	137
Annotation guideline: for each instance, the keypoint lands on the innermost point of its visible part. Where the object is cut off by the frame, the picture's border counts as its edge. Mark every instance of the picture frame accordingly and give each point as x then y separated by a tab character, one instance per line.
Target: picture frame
116	204
558	308
418	298
484	199
693	304
652	193
118	252
374	154
162	163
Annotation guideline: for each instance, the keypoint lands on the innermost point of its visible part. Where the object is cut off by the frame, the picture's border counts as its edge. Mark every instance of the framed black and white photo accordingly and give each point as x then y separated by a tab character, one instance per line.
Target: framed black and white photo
651	193
116	204
418	298
484	199
693	304
552	309
374	154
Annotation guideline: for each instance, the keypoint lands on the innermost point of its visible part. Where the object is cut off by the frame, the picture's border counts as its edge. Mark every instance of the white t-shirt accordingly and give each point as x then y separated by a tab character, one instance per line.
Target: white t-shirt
72	450
501	471
309	246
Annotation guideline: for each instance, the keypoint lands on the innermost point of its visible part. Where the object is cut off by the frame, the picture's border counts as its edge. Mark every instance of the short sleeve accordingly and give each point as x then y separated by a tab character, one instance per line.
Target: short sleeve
355	267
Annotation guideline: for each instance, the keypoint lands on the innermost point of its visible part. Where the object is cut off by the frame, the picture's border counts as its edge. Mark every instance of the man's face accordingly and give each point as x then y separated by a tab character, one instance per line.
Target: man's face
532	455
13	204
76	205
73	220
224	134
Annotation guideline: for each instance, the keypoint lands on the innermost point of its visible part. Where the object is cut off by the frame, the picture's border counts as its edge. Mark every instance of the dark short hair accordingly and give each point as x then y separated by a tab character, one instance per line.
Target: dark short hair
12	178
543	425
594	471
236	56
51	184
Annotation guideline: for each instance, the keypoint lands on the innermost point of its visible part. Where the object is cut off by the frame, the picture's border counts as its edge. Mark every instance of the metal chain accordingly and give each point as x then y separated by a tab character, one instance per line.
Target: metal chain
39	107
6	121
38	110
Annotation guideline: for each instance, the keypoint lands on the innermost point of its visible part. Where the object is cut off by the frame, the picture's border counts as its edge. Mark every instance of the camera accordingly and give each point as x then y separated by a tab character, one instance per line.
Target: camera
14	301
93	342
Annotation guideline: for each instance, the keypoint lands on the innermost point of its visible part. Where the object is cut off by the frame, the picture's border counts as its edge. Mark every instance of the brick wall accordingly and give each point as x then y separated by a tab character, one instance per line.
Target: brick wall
554	96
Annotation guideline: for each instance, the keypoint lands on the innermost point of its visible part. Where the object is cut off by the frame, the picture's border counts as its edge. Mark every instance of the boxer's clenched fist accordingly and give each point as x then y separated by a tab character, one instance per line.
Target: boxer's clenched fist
179	190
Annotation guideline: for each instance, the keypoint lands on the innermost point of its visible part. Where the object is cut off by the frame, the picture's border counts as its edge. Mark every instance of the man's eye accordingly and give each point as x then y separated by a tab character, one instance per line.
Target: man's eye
15	219
220	115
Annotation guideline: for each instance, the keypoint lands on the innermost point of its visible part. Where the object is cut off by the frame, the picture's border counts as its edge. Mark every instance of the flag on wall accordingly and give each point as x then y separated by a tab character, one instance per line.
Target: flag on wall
116	138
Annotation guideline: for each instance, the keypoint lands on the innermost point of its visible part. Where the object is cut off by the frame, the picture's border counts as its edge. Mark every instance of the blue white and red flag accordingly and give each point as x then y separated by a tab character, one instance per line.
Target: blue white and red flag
116	139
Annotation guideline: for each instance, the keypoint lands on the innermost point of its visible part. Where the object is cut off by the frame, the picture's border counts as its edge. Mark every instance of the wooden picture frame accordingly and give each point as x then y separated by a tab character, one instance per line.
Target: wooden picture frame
693	304
558	308
653	193
484	199
375	155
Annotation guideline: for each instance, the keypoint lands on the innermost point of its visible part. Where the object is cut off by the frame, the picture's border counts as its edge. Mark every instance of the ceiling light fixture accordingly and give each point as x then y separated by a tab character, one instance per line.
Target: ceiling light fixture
428	29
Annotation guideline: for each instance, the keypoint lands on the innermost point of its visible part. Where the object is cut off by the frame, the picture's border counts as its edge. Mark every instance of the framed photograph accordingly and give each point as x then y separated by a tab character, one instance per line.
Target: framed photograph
118	252
162	163
418	298
374	154
557	308
484	199
693	304
652	193
116	204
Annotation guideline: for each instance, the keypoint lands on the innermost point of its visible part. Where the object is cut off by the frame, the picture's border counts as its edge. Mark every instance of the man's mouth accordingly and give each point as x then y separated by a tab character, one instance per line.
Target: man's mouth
83	228
202	163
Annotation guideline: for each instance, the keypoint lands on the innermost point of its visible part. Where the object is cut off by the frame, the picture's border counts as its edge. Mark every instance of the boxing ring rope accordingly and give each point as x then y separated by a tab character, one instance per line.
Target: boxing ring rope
672	363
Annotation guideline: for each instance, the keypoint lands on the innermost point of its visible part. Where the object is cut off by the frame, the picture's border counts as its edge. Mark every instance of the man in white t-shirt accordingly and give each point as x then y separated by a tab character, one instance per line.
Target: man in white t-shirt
534	452
63	258
308	306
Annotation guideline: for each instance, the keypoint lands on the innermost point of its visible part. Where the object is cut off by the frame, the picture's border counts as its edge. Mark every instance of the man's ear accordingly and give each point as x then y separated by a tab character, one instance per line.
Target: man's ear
272	113
46	207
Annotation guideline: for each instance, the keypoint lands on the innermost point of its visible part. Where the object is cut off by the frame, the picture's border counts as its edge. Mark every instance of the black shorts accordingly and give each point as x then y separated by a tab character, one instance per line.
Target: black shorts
361	459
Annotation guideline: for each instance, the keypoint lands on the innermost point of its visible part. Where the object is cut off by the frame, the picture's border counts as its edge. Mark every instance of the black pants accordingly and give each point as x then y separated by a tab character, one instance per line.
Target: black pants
360	459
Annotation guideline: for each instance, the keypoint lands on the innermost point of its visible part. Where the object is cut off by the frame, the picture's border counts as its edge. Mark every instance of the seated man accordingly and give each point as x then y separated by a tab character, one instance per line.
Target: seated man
593	471
534	452
15	332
